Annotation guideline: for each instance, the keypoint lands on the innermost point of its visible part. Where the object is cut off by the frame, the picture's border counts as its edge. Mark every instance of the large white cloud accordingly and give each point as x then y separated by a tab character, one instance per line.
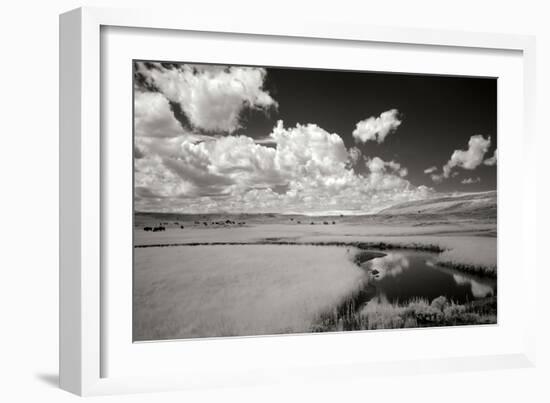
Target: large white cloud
212	97
377	128
309	150
307	170
153	116
154	119
468	159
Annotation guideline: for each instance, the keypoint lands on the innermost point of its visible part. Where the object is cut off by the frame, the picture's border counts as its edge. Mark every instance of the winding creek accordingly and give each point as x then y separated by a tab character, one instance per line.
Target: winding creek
404	275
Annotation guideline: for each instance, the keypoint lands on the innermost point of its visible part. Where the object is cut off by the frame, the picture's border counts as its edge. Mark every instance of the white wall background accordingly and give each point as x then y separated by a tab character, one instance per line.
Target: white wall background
29	200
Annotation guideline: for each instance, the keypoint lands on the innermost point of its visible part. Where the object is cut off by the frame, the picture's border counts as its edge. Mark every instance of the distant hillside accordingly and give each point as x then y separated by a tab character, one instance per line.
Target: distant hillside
484	203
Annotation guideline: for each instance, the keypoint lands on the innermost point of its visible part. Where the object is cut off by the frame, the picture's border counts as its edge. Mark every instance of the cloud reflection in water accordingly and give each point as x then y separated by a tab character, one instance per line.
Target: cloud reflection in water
392	265
479	290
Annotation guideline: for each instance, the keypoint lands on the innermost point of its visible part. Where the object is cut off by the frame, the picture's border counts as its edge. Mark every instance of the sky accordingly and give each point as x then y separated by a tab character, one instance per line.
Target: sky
212	138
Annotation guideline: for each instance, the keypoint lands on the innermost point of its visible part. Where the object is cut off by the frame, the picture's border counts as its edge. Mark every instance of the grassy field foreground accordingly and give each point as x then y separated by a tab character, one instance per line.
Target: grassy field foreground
209	291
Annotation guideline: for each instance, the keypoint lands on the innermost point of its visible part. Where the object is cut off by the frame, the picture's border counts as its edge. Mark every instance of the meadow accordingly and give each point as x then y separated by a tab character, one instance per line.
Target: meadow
223	275
202	291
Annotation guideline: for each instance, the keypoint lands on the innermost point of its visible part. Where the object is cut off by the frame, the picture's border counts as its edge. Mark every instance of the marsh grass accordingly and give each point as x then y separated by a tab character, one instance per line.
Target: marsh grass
479	270
415	313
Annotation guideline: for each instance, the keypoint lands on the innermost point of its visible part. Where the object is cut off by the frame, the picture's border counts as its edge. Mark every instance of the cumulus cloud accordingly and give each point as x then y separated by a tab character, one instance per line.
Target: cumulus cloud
154	119
378	165
469	181
306	169
468	159
310	148
212	97
153	116
430	170
491	161
377	128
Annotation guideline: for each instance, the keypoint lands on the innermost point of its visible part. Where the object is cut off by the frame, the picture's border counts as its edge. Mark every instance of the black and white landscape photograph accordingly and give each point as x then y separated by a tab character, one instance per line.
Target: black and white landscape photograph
274	200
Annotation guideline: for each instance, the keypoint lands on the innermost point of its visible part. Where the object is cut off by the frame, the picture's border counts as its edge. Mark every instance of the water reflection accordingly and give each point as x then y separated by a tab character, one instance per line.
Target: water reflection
393	264
479	290
404	275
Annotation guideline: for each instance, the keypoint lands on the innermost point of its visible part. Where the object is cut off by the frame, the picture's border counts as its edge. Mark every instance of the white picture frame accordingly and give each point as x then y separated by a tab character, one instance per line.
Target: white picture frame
82	184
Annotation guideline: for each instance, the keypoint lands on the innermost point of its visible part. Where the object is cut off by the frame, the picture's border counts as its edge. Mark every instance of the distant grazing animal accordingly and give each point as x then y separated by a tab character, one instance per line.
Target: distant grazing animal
182	227
197	223
312	223
159	228
205	224
324	222
334	222
147	229
299	222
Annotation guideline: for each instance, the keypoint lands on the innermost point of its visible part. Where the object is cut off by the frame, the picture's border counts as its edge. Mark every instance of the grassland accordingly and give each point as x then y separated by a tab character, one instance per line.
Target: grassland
225	275
223	290
465	245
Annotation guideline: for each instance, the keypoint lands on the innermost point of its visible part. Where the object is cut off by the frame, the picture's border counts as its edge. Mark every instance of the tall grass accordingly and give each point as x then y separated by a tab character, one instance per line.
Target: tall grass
416	313
480	270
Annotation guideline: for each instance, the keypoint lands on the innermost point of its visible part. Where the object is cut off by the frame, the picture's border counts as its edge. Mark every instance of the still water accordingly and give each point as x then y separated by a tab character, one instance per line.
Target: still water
403	275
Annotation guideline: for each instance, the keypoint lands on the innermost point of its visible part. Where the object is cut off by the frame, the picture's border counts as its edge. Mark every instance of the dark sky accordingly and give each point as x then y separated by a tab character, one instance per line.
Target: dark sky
439	115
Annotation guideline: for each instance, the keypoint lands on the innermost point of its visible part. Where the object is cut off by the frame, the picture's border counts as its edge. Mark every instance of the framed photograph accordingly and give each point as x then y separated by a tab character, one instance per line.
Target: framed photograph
243	203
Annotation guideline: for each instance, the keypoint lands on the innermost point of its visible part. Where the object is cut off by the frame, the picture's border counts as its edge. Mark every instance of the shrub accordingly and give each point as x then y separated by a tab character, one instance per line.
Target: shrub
416	313
440	303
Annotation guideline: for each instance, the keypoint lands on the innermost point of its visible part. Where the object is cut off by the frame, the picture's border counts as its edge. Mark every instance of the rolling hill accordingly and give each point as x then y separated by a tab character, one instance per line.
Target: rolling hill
483	203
